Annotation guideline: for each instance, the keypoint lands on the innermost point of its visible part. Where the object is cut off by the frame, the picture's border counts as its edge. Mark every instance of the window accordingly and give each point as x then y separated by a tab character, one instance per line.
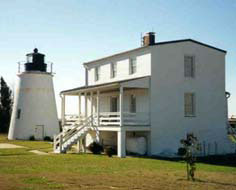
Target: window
29	58
97	73
132	104
114	104
113	70
189	104
189	66
18	114
133	66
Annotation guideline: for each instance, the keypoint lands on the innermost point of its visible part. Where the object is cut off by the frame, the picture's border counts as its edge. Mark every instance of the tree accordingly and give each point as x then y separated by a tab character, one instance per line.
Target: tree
5	106
190	146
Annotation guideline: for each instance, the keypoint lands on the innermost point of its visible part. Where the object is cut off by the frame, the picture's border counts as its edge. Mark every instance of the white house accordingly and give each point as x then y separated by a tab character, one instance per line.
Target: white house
148	98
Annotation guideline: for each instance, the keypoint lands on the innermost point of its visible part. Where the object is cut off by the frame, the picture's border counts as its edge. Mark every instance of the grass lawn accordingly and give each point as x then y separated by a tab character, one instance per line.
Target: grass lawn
20	169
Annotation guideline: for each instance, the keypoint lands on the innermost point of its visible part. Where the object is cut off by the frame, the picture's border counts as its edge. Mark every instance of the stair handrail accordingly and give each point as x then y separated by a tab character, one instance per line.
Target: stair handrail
231	132
63	133
66	136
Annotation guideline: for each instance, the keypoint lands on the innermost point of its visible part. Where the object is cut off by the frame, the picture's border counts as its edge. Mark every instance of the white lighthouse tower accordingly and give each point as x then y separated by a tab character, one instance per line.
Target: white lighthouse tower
34	111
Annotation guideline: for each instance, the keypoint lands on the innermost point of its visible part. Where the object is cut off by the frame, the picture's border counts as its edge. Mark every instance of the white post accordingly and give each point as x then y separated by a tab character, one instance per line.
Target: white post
61	143
121	143
84	145
91	107
121	105
98	107
63	100
54	143
91	103
85	103
149	148
79	105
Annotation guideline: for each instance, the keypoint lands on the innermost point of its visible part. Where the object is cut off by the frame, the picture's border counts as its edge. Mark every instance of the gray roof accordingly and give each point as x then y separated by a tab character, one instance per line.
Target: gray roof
157	44
100	85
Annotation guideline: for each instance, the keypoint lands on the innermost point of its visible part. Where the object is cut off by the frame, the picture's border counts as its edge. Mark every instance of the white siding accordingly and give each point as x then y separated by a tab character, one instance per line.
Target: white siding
168	86
143	67
142	102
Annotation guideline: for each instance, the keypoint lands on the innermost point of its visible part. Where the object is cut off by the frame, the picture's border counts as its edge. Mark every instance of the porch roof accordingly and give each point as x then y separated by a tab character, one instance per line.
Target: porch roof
140	82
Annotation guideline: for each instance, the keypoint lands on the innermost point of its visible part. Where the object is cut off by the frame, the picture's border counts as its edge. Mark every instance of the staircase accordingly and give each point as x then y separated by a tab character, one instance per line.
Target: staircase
66	139
231	133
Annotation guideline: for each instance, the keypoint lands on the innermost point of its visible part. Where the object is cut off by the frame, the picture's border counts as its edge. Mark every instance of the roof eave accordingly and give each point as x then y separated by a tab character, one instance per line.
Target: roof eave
159	43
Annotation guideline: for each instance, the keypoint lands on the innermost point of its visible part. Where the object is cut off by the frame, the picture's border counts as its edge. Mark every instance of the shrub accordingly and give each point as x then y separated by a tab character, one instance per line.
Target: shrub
32	138
95	148
109	151
47	138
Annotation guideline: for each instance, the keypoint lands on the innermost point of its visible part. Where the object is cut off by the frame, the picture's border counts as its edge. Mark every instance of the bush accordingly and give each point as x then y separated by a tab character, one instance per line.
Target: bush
47	138
32	138
95	148
182	151
109	151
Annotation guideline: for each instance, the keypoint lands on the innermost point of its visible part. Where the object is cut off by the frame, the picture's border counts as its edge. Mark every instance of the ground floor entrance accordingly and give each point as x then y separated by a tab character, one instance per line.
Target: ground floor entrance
123	141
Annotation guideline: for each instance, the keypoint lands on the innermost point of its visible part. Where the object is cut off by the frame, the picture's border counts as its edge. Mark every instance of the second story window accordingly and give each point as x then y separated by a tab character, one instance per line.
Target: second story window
18	114
189	105
132	104
133	66
189	66
113	70
97	73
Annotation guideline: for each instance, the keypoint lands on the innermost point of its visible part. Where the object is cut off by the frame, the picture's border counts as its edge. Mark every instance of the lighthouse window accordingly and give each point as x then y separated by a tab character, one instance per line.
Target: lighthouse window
18	113
29	59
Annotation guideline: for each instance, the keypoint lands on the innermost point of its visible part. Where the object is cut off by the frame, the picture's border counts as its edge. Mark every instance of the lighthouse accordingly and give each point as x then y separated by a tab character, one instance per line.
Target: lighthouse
34	111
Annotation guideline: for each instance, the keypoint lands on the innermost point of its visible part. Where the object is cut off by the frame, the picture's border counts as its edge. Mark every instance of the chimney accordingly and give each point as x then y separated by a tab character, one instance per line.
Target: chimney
149	39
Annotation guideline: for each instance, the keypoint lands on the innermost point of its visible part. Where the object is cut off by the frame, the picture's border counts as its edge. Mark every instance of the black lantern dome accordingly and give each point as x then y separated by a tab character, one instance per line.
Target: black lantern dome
35	62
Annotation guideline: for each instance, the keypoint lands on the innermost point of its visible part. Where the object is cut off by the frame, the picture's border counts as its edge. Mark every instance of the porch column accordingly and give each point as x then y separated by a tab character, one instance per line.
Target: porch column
63	100
91	103
91	107
149	148
121	105
121	143
79	146
98	107
84	144
79	104
85	104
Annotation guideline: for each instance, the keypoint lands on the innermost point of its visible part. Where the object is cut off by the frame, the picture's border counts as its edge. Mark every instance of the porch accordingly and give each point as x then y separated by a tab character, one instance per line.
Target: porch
124	103
120	107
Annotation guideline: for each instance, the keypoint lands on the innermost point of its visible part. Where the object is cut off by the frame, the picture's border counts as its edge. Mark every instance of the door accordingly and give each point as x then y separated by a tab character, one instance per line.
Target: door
38	132
114	104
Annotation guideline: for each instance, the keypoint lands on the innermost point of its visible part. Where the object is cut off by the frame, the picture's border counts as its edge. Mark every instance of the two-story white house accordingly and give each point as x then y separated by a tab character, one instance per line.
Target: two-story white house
149	98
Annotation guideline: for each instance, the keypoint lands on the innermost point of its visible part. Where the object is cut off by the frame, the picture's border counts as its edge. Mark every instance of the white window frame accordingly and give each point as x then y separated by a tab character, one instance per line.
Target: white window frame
132	66
97	73
113	70
190	110
189	68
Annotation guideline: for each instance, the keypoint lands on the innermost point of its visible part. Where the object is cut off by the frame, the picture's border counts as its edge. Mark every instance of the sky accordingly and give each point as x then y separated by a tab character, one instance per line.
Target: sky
71	32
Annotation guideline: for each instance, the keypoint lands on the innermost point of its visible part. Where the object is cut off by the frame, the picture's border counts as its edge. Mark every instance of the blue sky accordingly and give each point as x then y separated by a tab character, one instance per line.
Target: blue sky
71	32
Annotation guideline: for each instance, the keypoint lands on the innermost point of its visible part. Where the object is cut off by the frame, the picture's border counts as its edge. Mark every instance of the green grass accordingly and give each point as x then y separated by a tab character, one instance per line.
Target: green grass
30	145
87	171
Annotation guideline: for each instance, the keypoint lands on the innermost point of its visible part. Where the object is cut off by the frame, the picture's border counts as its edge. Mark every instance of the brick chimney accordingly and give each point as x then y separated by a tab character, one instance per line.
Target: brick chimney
149	39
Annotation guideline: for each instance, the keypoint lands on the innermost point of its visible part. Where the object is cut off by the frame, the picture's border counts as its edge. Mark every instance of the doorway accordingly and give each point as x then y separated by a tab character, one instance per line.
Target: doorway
38	132
114	104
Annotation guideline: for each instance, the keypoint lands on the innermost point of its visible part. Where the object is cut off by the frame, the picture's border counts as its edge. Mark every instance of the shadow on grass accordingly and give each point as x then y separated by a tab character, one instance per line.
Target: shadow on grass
15	154
215	182
209	182
221	160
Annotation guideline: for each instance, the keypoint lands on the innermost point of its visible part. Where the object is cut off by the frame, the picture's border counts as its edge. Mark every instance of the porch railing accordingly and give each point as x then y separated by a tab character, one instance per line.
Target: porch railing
113	119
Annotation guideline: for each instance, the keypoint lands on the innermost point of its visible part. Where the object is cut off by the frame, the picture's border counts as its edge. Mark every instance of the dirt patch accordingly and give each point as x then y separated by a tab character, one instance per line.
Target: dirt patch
38	152
6	146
